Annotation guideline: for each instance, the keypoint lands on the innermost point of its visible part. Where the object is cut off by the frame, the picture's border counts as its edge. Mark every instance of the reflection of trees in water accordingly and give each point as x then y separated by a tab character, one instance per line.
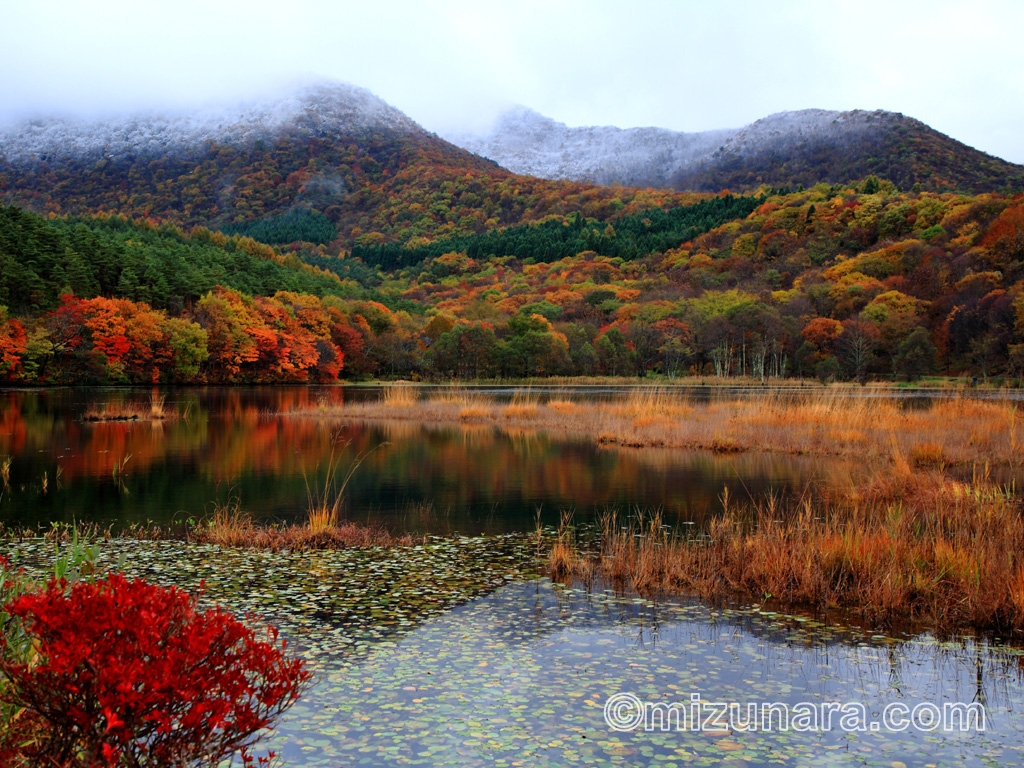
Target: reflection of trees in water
473	477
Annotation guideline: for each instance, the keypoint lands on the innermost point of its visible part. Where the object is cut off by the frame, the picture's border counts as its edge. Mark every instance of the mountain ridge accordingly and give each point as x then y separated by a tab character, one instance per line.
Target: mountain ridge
319	108
332	166
793	148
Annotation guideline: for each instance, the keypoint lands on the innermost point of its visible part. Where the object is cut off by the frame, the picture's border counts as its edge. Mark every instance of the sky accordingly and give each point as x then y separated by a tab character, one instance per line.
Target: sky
453	65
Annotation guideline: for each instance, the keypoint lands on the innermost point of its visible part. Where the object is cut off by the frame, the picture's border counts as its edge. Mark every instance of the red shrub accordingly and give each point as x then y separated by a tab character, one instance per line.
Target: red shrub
132	674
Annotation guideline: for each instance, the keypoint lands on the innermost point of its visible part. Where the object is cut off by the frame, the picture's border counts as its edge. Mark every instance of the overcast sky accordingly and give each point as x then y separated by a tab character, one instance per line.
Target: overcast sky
958	66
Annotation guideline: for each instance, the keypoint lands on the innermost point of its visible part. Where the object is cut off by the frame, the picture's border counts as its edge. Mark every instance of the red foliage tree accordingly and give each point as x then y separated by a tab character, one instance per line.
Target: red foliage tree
823	332
130	674
12	345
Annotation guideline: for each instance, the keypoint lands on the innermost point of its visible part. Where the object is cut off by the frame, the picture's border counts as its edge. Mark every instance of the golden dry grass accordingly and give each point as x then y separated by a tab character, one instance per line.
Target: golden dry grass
520	411
474	413
155	410
230	526
816	421
564	406
399	396
524	406
915	546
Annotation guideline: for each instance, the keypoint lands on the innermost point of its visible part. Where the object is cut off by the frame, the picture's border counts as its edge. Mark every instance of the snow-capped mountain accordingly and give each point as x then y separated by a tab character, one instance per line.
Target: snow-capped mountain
337	149
326	147
529	143
785	149
319	109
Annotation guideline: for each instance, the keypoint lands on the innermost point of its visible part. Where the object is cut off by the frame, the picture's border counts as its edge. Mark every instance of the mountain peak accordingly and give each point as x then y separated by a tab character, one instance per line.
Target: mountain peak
320	108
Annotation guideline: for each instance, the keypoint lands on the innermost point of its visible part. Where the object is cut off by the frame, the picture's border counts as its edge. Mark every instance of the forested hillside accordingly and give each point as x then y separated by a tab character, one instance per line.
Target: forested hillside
834	282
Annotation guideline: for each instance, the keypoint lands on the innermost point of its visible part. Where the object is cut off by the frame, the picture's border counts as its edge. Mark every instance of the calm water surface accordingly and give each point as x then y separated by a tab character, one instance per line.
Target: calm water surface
238	443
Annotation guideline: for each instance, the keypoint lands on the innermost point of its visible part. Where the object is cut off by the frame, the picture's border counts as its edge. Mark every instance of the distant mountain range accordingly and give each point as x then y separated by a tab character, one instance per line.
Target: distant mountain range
783	150
331	162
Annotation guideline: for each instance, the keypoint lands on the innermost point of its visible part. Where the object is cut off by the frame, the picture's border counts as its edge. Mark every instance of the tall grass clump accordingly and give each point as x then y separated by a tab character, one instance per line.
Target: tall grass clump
912	546
229	525
157	408
324	503
566	559
655	402
130	410
399	396
456	395
524	405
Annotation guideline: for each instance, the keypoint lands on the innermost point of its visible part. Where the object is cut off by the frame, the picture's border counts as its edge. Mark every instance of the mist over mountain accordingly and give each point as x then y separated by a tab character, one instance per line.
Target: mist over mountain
320	109
783	150
325	163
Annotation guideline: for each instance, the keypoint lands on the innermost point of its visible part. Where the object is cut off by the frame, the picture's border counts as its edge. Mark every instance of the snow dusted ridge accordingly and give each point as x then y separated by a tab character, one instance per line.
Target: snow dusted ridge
529	143
526	142
321	109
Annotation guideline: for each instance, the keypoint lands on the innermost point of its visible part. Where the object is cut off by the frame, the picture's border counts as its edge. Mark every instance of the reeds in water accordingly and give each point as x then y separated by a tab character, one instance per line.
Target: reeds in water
399	396
914	546
832	422
155	410
524	405
230	526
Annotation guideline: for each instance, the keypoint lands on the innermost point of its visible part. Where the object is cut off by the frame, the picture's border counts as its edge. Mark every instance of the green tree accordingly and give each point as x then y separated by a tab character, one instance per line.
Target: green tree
187	344
613	353
915	357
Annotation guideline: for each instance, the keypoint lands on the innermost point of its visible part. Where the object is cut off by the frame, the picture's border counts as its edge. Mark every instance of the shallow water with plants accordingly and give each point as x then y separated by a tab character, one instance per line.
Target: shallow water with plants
453	652
457	649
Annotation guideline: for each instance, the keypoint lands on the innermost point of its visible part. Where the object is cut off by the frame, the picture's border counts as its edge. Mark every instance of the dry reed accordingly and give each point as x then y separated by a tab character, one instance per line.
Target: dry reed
523	406
909	546
227	526
155	410
565	558
818	421
399	396
324	504
230	526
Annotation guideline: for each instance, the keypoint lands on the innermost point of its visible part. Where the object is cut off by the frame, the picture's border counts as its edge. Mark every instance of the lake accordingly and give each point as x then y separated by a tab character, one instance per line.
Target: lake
452	653
456	652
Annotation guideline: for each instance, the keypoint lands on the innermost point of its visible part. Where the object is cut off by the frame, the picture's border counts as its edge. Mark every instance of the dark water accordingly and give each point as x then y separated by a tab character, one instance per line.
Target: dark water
236	443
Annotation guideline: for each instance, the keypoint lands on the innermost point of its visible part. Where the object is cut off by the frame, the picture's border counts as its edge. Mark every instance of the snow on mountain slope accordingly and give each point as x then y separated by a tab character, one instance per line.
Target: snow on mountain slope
320	108
784	149
526	142
529	143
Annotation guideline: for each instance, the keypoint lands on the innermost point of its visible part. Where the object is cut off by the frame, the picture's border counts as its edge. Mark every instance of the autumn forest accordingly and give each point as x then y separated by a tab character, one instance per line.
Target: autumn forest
836	282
